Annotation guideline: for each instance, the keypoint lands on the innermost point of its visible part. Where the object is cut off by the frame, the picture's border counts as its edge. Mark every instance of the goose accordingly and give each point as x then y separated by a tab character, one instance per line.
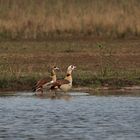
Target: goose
46	82
66	83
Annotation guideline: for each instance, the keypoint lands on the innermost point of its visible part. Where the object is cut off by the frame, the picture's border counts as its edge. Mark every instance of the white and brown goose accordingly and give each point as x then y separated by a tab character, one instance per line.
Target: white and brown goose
66	83
46	82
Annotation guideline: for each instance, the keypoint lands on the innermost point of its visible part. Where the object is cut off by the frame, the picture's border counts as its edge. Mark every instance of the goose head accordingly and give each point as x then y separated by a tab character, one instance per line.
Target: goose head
71	68
55	68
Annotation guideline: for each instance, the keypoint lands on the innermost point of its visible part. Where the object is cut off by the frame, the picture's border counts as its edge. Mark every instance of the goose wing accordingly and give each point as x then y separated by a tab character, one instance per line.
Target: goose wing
43	81
58	83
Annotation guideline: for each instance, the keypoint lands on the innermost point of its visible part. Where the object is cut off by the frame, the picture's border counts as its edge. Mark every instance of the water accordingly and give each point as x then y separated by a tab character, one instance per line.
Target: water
26	117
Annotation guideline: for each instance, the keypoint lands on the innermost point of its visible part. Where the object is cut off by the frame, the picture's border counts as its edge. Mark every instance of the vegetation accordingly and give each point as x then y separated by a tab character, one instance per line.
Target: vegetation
100	37
110	63
34	19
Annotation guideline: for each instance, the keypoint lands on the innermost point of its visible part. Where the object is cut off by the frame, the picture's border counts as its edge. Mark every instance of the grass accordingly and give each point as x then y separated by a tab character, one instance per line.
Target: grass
33	19
111	63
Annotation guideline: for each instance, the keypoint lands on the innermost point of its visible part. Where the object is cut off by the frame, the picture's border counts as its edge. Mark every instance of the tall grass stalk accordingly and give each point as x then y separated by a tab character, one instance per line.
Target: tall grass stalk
33	19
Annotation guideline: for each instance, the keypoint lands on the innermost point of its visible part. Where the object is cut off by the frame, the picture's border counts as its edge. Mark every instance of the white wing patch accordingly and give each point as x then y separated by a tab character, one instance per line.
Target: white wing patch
47	85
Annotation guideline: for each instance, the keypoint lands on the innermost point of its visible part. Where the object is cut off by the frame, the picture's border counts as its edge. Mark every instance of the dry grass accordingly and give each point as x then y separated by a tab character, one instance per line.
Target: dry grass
33	19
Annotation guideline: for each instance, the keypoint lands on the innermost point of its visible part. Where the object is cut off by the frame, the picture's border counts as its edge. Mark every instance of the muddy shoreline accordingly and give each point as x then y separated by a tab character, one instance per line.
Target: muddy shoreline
128	90
109	90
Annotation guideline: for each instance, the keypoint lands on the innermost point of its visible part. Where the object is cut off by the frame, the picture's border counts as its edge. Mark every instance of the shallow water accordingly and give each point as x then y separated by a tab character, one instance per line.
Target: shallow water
24	116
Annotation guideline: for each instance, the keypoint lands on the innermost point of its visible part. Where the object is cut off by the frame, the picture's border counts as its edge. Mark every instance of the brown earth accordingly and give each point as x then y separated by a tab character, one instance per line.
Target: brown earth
25	62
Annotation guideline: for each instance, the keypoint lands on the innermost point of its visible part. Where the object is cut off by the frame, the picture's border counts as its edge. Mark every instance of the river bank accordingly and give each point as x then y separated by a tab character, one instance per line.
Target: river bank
105	63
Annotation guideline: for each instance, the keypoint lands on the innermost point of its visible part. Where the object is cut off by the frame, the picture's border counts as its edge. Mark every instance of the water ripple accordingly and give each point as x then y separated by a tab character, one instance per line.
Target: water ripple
81	117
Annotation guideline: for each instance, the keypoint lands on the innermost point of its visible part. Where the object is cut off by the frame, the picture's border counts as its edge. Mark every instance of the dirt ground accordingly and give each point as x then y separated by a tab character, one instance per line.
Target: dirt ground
117	58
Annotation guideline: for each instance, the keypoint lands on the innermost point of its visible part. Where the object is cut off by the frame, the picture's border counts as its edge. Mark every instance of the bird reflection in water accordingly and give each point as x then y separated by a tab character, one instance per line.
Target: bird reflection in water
54	96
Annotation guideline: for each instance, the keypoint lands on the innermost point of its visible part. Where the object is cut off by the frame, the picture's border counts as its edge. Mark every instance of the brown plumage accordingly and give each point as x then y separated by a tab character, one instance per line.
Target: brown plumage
46	82
58	83
43	81
66	83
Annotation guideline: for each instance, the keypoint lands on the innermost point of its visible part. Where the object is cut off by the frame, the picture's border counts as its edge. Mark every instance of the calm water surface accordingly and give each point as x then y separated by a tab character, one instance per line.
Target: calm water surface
27	117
